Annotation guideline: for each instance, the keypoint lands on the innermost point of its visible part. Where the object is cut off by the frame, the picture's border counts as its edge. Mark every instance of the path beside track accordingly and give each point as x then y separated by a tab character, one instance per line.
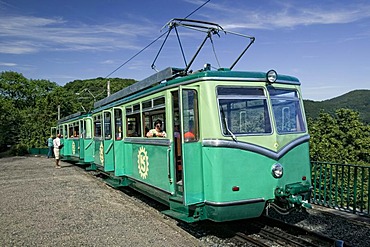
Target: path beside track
44	206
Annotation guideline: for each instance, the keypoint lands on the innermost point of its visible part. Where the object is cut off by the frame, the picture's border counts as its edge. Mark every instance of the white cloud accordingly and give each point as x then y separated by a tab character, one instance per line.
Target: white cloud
17	47
29	34
283	14
8	64
108	62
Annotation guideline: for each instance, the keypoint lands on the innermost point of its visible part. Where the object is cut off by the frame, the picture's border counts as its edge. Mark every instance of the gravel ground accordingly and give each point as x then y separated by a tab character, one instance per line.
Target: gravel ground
44	206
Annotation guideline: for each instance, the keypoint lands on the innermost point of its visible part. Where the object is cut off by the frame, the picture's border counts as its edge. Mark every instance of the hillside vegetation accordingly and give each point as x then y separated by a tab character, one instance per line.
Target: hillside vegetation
357	100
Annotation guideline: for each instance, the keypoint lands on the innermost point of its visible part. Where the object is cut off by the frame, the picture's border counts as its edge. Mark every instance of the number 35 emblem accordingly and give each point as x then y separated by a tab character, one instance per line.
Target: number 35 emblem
143	162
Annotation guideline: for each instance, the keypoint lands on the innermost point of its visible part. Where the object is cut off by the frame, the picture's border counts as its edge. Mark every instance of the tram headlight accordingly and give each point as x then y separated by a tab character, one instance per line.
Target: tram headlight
277	170
271	76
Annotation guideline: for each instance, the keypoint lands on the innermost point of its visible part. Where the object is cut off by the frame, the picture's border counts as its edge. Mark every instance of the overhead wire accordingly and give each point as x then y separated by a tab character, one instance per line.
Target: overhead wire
160	36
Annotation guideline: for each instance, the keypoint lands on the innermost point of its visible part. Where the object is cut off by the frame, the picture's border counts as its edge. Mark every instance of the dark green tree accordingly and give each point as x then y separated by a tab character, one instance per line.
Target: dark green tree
9	123
23	107
342	138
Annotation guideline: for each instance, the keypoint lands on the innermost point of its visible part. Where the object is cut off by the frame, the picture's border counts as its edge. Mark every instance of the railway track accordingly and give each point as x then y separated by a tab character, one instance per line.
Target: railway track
266	231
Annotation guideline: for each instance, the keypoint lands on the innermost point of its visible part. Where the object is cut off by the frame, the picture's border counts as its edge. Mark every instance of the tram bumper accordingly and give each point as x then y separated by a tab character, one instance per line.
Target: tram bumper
292	196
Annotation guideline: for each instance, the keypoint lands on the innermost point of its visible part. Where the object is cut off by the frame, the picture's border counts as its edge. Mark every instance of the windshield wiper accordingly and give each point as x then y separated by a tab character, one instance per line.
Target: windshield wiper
226	126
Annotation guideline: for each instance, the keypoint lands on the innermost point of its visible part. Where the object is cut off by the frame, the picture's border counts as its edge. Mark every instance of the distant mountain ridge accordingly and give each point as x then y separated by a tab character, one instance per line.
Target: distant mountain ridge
357	100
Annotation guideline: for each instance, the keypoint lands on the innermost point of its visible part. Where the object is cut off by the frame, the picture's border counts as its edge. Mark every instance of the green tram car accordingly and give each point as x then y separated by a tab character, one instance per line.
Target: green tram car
248	149
236	142
76	132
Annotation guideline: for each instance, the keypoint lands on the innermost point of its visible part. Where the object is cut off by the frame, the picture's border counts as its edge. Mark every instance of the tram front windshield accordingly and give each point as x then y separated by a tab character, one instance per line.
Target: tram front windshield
245	111
287	111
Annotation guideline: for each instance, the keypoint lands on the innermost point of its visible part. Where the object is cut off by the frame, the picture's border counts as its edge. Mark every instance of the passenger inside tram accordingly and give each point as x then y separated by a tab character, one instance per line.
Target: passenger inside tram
189	135
157	131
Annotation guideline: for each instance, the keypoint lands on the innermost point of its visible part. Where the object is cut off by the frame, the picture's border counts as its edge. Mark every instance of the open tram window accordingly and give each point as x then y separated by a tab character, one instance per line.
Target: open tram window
153	110
190	115
287	110
133	126
60	130
133	121
97	126
76	129
107	126
82	128
70	130
118	124
73	129
88	129
243	110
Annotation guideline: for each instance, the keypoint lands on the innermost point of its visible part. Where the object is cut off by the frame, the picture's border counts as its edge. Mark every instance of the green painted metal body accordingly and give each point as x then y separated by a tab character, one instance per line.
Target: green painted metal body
251	173
81	148
88	153
151	165
71	149
119	158
104	154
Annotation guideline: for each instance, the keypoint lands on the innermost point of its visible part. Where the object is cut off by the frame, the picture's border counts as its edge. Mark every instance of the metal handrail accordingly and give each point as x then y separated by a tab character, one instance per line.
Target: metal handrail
341	186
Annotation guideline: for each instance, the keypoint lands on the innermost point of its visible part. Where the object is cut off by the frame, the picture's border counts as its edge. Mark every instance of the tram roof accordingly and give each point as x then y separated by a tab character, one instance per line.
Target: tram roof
72	117
172	76
235	75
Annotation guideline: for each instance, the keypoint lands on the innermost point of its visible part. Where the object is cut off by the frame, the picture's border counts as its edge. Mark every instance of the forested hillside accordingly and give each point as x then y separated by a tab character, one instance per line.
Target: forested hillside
357	100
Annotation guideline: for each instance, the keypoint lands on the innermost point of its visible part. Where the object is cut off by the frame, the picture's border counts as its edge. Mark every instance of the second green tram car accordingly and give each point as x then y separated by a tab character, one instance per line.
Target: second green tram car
236	143
76	135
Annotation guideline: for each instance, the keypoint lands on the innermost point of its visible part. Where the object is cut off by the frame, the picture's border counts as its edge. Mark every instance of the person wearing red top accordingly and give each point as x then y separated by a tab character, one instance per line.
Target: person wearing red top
190	134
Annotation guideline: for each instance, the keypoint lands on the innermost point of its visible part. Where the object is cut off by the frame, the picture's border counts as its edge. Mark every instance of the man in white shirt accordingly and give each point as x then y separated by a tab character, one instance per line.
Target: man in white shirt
56	144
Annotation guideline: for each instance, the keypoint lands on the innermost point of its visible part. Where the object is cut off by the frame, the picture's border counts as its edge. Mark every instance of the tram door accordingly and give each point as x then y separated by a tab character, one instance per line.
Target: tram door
108	150
118	143
189	174
81	146
192	170
177	140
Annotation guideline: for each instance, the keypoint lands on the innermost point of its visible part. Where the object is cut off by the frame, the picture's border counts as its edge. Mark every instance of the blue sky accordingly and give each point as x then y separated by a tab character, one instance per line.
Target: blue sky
326	44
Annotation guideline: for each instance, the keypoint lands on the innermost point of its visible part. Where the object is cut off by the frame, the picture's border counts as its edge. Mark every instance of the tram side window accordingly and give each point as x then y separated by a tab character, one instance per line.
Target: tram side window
88	129
65	131
118	124
70	130
133	125
76	130
190	115
133	121
97	126
153	110
107	126
82	127
60	130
